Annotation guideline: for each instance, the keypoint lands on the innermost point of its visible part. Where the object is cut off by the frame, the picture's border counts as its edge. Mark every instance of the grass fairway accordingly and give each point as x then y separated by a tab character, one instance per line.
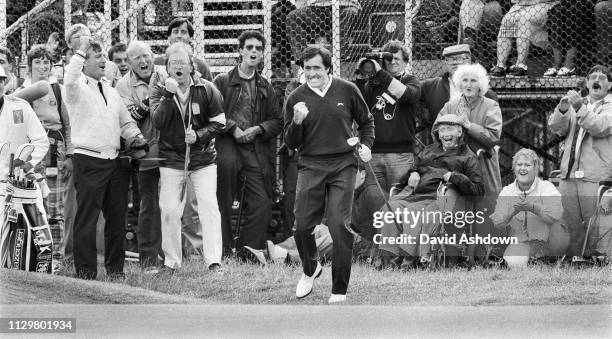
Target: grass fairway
275	284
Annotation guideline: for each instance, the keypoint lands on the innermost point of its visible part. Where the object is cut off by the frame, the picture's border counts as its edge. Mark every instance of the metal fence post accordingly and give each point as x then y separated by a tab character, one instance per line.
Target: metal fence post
335	9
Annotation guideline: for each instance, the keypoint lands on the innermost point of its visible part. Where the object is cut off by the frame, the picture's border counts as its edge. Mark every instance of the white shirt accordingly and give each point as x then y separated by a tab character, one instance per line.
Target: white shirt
319	92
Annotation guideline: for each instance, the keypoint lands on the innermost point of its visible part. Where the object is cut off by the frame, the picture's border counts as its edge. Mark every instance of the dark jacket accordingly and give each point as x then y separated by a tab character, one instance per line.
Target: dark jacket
397	134
435	92
433	162
207	119
267	114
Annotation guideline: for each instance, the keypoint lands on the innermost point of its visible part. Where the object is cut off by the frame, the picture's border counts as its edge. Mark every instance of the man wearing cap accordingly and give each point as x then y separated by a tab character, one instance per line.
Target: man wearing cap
435	92
99	119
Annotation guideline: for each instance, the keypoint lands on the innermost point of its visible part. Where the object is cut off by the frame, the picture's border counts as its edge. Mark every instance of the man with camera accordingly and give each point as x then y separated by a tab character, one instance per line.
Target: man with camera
586	124
392	96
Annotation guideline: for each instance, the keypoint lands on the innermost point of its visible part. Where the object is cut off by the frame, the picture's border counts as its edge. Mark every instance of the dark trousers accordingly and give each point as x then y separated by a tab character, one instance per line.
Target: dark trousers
149	219
326	187
290	173
244	178
101	185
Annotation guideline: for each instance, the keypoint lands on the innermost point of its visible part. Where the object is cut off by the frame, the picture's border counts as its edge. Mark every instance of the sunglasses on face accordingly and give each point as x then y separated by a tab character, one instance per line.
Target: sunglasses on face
259	48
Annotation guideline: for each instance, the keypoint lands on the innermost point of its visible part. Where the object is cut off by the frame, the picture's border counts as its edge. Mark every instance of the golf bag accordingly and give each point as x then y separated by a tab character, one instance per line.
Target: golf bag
25	237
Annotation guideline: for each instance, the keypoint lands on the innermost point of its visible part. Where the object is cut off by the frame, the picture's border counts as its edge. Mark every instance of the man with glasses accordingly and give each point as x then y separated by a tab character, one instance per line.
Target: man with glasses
586	124
247	148
435	92
187	110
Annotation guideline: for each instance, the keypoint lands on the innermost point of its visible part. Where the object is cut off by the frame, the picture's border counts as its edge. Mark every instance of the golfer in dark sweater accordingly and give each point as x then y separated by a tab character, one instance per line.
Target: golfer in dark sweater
318	121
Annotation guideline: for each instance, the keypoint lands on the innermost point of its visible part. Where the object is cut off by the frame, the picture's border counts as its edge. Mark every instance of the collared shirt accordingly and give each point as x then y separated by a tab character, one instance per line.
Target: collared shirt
319	92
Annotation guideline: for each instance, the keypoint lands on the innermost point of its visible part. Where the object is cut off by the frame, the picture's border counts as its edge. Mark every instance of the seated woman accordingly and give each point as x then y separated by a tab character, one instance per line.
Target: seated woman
531	208
448	161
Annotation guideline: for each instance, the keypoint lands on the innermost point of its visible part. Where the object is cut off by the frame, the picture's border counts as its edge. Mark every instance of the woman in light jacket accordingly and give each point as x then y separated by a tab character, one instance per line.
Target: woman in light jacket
532	209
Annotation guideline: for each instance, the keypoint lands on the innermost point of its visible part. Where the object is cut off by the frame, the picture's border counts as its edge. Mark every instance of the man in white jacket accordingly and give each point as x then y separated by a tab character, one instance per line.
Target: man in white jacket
19	125
98	118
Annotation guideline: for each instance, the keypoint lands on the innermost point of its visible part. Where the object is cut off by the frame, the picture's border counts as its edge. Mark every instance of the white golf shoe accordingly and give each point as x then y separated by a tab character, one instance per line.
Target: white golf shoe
304	286
336	298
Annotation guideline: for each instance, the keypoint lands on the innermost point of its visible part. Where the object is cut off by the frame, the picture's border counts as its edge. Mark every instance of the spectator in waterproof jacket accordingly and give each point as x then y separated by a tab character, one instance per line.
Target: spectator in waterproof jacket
189	116
134	90
247	148
586	124
392	96
448	161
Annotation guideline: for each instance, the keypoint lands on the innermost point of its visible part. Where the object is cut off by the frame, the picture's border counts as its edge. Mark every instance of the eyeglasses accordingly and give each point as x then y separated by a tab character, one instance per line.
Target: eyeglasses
456	60
600	77
259	48
178	63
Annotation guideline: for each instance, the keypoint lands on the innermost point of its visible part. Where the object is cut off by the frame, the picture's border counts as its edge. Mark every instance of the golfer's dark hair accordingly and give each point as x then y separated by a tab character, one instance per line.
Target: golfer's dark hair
603	69
116	48
178	22
9	55
38	51
250	34
312	51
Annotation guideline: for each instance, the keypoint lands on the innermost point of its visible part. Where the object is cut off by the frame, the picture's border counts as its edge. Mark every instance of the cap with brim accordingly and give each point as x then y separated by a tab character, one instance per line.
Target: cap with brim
456	49
448	119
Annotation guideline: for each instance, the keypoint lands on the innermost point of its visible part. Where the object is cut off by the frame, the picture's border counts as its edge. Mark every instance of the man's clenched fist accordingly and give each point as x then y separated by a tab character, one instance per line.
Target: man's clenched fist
171	85
300	112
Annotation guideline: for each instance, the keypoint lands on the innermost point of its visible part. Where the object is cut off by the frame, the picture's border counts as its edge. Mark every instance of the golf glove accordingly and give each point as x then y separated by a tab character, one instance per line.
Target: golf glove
364	153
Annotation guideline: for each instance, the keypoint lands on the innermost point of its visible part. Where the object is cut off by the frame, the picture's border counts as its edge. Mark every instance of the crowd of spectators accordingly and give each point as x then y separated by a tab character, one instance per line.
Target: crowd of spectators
198	145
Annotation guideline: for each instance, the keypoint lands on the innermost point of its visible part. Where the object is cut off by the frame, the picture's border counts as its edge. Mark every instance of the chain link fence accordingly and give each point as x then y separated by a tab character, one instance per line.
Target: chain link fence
541	47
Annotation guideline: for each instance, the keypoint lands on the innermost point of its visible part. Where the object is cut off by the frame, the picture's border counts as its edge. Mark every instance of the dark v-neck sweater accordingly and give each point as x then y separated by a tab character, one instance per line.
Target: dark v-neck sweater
329	122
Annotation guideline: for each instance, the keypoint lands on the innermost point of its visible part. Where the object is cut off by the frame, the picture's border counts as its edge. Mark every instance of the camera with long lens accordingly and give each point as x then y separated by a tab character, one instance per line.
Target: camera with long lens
366	66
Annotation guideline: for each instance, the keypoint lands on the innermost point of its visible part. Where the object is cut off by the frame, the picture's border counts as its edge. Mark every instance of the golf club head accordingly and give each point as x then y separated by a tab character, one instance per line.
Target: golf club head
354	141
24	152
5	151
